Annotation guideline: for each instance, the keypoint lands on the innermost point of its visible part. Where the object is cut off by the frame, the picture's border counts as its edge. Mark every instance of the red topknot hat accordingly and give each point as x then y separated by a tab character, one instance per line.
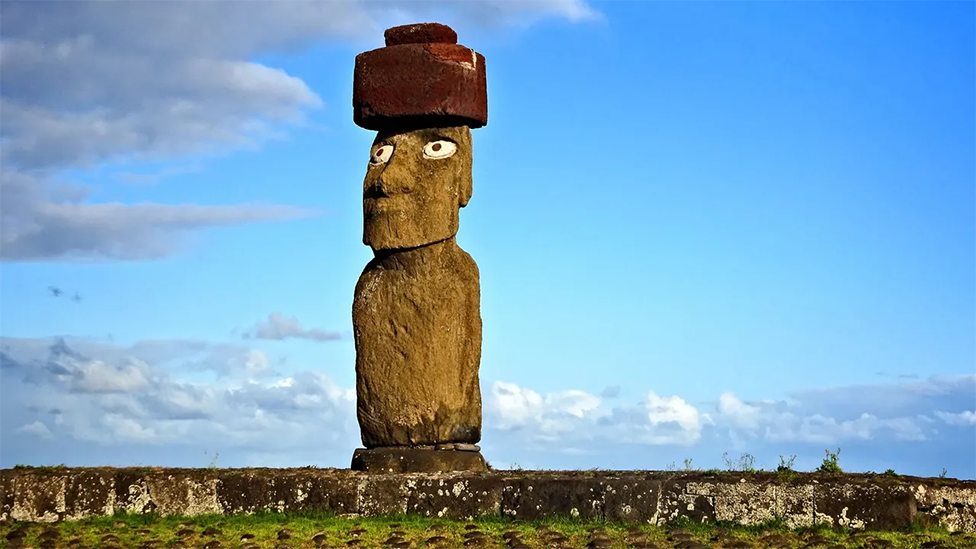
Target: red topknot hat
422	78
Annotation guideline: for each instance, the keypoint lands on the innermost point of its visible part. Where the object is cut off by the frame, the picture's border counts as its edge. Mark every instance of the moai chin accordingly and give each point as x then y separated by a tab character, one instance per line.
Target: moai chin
416	312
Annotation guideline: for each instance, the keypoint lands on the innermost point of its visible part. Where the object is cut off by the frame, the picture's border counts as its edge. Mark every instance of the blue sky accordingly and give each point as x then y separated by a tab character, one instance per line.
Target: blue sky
701	228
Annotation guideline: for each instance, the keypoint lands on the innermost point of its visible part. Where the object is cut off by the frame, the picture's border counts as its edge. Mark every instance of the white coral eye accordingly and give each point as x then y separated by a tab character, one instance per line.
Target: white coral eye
439	149
381	154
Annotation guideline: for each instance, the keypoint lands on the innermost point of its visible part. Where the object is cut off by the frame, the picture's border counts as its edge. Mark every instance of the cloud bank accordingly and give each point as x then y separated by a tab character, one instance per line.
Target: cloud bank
167	401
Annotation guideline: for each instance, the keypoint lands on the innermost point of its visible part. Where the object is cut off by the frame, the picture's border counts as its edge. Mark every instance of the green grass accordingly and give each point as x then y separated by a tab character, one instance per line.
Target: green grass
134	530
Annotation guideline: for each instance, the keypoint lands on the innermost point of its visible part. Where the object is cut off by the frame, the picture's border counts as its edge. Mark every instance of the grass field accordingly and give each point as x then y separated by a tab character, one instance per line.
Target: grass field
274	530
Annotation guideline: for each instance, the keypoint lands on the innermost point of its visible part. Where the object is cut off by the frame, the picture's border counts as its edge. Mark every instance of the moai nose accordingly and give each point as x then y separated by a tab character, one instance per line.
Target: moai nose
376	190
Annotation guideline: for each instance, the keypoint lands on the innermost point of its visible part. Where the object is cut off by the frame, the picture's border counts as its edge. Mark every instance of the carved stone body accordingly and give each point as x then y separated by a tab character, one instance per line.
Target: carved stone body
418	346
416	311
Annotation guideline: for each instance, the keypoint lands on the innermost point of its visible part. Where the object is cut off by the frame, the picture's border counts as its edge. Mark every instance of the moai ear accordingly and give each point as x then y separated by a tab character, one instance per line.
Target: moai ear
465	190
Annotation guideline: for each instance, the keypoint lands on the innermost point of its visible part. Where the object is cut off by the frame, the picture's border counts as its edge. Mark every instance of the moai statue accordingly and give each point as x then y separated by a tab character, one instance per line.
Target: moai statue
416	313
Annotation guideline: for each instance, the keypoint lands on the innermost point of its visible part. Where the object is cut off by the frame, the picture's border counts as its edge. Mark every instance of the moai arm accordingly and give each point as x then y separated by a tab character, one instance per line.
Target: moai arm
416	312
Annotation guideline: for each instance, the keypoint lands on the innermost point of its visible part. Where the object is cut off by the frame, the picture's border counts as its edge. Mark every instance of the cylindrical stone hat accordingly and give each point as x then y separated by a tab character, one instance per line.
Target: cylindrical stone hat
422	78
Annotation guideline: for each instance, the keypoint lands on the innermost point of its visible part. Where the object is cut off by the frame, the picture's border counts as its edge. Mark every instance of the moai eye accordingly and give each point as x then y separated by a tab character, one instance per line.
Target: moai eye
439	149
381	154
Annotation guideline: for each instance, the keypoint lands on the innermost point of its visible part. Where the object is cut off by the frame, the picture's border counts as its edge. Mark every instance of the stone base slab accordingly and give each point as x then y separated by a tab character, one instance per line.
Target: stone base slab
858	501
416	460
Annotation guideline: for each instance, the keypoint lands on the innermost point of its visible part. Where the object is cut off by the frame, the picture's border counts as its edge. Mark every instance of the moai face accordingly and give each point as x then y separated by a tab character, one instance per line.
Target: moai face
415	184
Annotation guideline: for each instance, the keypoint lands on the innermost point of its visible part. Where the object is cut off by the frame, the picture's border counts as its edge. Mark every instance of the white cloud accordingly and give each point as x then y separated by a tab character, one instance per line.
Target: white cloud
280	327
737	412
36	429
126	429
515	406
573	402
256	363
966	417
98	377
190	87
547	417
672	410
573	415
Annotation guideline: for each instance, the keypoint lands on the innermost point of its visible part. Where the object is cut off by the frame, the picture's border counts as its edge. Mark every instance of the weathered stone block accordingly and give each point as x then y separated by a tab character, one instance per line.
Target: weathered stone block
735	498
252	491
243	492
412	460
131	492
952	507
39	497
457	498
384	494
631	499
331	494
794	503
676	502
88	493
861	506
6	494
537	498
183	493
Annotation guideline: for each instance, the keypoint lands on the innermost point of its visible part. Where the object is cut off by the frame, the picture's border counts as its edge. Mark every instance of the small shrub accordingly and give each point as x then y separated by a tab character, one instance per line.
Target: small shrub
744	463
785	468
830	464
785	465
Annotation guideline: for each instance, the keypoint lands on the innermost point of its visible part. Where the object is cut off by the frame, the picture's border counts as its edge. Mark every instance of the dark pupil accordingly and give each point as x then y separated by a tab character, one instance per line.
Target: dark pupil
436	147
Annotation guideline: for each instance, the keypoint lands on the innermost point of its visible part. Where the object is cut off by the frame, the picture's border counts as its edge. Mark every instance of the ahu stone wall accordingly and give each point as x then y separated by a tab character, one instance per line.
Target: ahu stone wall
875	502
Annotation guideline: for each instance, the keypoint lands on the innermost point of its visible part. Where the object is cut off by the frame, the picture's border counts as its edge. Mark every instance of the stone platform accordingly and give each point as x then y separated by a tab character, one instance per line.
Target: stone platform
876	502
414	460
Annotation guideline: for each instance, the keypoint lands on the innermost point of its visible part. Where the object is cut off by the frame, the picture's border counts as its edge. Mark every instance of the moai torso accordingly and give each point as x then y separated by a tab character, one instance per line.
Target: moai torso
418	346
416	311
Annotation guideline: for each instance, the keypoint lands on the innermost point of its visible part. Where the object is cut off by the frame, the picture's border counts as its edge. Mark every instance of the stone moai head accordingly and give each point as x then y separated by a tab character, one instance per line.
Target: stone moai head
422	93
415	183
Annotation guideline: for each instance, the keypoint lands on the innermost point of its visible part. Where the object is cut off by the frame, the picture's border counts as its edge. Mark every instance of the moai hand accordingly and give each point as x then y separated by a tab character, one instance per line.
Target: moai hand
416	312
